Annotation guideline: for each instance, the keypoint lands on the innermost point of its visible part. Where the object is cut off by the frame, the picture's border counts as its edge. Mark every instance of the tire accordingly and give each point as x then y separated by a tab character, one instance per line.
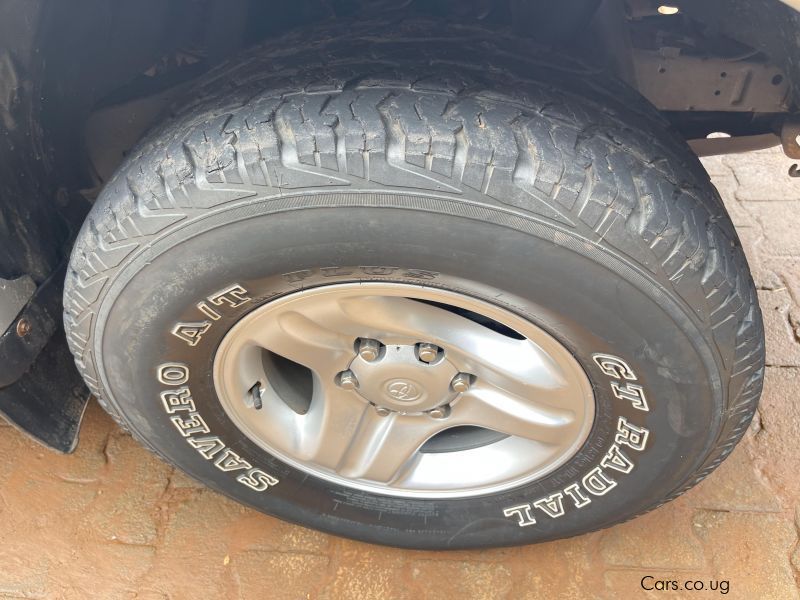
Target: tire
473	165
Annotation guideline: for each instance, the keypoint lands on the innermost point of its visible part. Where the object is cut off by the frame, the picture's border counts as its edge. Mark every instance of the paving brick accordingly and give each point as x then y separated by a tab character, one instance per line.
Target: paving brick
662	539
362	571
735	486
718	169
780	223
776	454
194	537
190	520
565	569
726	184
173	576
761	269
134	480
740	215
795	558
751	550
35	504
253	532
182	481
100	570
13	443
460	579
763	176
789	271
23	576
281	575
783	348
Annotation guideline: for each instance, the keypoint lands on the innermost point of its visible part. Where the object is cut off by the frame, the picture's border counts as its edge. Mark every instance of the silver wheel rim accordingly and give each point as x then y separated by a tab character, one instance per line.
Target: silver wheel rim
404	390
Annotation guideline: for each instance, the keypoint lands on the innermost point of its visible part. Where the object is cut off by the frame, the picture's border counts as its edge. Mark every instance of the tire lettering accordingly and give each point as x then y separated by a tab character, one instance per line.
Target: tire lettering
177	400
173	374
596	482
522	513
297	276
617	460
208	311
191	333
208	447
578	497
230	461
552	505
630	392
631	435
233	296
368	270
257	480
618	370
180	407
379	270
335	271
614	366
190	424
420	274
212	307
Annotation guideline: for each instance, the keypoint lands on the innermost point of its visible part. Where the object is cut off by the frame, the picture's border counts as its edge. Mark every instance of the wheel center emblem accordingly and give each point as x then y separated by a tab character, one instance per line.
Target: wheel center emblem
403	390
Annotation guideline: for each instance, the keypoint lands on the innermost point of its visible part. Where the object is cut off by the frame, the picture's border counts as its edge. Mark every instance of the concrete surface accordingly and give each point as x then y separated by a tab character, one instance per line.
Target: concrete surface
112	521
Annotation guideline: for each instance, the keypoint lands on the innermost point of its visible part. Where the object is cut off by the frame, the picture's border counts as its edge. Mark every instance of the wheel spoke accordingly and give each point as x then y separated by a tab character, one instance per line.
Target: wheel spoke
383	446
347	435
486	406
306	341
325	432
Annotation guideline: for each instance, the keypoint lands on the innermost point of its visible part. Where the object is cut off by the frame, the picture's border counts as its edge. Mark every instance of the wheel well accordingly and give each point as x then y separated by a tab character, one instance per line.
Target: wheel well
708	66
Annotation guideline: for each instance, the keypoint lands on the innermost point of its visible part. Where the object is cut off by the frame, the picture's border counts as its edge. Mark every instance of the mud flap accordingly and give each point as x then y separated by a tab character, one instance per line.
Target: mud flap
42	392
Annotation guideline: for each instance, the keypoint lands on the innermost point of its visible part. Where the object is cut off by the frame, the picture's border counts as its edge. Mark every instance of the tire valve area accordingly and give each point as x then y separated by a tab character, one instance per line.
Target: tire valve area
254	397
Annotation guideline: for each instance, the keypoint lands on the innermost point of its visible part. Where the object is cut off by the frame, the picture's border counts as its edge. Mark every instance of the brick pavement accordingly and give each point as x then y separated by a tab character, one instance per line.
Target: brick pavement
112	521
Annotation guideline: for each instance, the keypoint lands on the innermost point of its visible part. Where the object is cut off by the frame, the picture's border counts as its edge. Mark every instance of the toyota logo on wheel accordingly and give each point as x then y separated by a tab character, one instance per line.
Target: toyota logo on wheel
402	390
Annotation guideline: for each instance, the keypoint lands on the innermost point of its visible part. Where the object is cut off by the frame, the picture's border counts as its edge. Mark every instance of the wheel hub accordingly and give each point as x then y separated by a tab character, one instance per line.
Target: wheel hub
399	381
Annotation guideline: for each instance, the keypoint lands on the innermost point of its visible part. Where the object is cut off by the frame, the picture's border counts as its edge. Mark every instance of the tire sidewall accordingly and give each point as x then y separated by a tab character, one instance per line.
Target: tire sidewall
593	300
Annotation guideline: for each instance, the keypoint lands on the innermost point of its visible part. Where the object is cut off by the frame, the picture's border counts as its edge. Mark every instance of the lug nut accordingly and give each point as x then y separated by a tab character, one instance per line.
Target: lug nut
369	350
382	412
427	352
440	412
347	380
461	382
